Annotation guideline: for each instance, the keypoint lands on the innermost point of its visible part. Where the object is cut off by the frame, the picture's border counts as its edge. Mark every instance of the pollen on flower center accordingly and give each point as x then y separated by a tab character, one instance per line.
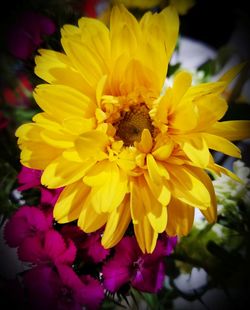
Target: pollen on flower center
131	124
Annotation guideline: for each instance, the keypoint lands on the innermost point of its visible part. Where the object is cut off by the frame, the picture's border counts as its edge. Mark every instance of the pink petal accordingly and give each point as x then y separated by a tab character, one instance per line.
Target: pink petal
42	286
115	274
92	294
31	250
29	178
69	277
95	250
149	279
25	222
57	249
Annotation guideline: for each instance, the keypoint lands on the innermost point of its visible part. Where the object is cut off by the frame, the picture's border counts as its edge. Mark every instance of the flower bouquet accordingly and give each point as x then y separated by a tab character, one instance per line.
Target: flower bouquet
115	151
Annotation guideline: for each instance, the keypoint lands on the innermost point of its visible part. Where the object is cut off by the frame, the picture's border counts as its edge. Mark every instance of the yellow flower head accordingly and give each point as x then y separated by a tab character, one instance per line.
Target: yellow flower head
123	151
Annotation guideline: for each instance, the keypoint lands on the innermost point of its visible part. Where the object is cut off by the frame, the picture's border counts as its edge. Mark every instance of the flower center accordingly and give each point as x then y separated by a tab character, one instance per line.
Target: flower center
131	124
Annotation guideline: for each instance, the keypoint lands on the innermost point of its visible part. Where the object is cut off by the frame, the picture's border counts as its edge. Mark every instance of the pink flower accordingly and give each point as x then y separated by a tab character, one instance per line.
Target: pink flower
31	178
25	223
49	247
93	292
89	246
28	178
60	288
145	272
26	35
49	196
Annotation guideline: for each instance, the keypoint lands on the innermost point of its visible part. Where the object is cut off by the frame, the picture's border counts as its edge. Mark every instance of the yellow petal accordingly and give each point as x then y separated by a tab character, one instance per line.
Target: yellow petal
156	212
90	67
62	172
161	192
109	186
37	155
204	89
47	121
95	35
72	155
164	151
187	186
89	220
78	125
159	33
211	212
29	132
231	130
58	139
117	224
180	218
61	101
221	145
126	159
182	82
146	142
184	117
122	25
136	203
145	235
220	169
153	170
56	68
195	147
158	218
91	144
211	108
70	202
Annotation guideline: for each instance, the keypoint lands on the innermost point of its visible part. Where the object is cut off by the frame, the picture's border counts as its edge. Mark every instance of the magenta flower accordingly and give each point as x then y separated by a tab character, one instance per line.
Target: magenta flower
49	247
27	222
93	292
49	196
60	288
27	34
145	272
89	247
28	178
31	178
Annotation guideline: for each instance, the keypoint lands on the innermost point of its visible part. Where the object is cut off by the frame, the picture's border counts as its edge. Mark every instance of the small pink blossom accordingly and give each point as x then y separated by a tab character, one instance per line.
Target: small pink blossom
47	248
89	247
49	196
60	288
144	272
29	178
25	223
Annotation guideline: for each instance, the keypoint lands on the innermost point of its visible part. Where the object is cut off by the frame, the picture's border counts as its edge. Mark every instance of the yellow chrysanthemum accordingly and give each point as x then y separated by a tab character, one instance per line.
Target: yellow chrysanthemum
122	150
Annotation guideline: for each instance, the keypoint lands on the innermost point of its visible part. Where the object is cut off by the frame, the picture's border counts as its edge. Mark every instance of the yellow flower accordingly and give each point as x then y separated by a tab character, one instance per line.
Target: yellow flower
123	151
